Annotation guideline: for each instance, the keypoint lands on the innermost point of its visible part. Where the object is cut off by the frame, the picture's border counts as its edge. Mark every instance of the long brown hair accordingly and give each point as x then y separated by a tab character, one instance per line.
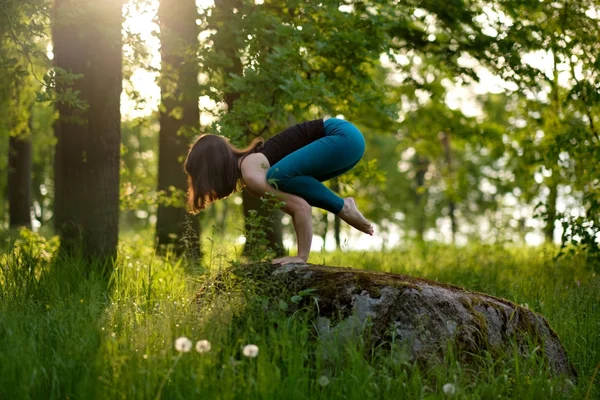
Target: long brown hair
212	169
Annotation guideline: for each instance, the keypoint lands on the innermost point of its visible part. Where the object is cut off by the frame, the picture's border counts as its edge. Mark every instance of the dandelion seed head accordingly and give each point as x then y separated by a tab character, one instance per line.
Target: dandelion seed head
183	344
323	381
250	350
203	346
449	389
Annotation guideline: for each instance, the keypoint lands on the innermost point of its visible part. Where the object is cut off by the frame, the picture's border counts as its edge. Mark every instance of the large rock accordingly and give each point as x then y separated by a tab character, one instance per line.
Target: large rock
420	315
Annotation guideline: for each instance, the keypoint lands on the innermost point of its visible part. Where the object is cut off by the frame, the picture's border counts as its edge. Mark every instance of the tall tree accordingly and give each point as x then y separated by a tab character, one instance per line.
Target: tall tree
337	223
179	118
18	120
559	94
88	57
19	180
42	137
225	42
445	141
22	36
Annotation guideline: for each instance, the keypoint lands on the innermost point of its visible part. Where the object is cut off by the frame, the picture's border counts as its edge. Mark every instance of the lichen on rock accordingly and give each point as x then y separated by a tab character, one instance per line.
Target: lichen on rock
419	315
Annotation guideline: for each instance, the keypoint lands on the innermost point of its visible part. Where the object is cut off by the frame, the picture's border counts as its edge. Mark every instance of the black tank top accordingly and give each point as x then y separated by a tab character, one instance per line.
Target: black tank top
292	139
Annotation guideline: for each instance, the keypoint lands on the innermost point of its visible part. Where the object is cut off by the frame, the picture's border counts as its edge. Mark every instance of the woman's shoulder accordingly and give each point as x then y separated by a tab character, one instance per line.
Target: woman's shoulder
254	169
254	163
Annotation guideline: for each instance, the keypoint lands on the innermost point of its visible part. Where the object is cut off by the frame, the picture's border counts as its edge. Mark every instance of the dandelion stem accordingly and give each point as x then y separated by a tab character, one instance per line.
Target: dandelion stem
162	385
587	395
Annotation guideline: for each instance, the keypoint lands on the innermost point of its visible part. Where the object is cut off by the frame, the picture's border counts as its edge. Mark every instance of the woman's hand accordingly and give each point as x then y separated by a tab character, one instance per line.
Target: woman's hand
289	260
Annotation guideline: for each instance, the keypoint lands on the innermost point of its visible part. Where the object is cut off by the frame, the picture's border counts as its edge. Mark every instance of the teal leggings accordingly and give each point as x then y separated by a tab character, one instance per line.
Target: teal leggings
302	171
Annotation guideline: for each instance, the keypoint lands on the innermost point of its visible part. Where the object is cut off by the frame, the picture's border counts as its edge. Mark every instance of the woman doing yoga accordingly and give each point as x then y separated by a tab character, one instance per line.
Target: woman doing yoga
291	165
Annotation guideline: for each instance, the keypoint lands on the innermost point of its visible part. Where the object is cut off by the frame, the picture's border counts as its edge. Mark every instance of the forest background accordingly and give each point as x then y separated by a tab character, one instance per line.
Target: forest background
482	123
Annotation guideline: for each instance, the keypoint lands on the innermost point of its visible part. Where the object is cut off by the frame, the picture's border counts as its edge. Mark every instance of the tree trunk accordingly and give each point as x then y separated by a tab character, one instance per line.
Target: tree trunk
551	211
337	226
42	173
337	229
225	42
422	164
553	161
19	181
222	219
87	41
19	152
325	220
37	180
179	119
445	139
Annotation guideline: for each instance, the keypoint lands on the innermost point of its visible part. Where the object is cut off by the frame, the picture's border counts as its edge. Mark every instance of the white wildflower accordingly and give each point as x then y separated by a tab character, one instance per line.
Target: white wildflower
449	389
183	344
323	381
203	346
250	350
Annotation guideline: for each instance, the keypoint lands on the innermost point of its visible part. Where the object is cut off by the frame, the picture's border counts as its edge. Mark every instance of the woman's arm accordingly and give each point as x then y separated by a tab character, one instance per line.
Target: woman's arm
254	173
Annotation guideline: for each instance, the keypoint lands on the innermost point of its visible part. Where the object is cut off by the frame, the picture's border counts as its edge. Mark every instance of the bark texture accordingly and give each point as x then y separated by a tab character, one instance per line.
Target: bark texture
87	42
551	210
179	119
19	181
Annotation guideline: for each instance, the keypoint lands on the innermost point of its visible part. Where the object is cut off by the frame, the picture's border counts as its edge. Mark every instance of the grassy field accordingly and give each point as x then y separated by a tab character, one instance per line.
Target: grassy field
68	333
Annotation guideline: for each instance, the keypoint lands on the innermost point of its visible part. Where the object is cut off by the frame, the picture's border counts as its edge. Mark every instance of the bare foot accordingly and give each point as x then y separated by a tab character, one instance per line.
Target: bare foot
353	217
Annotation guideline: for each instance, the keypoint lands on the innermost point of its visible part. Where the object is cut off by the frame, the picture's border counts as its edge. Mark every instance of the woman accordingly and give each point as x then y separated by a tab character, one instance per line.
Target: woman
290	165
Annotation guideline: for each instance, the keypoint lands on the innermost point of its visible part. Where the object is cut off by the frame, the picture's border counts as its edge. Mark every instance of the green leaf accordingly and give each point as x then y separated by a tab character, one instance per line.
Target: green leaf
283	305
306	291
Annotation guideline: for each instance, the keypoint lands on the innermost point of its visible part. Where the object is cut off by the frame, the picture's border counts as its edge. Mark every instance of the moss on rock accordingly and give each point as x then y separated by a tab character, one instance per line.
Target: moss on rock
419	315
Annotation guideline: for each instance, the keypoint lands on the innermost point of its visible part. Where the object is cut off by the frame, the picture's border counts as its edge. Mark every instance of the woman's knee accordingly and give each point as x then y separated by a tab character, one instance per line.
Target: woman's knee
357	141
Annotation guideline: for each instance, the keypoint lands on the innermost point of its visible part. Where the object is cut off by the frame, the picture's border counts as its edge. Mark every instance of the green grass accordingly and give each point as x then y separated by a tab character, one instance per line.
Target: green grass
67	331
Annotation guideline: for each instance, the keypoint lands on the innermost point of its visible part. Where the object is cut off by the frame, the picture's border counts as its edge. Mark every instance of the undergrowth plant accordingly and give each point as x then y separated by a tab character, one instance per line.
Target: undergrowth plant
65	331
258	228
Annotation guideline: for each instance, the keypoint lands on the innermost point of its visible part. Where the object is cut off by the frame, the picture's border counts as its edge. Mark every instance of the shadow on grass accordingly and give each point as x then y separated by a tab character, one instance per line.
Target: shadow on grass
65	331
50	306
